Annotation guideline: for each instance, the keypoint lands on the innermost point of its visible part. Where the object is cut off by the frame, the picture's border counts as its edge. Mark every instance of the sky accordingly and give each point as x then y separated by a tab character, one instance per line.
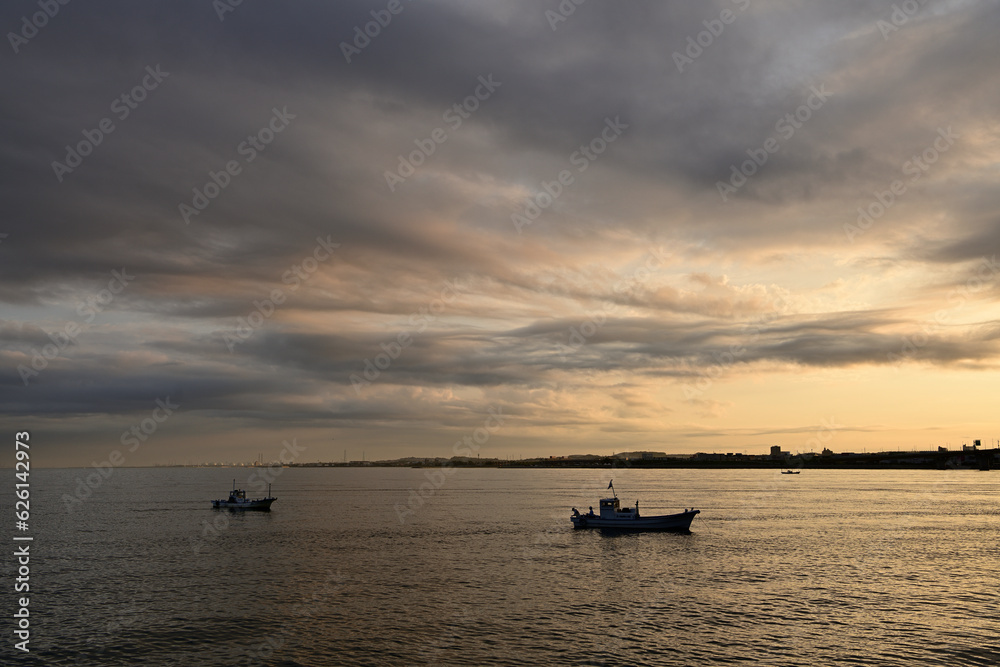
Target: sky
520	228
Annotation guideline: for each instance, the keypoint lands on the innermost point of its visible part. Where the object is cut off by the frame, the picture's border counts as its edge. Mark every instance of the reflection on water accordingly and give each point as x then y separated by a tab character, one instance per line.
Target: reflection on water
826	567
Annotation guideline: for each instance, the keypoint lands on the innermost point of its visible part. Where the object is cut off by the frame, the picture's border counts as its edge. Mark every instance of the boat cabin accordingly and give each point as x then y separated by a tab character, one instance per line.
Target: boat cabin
237	496
612	509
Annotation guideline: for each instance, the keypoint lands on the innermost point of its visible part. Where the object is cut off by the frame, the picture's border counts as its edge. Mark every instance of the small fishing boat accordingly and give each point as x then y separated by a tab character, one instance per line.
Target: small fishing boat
238	500
790	472
614	516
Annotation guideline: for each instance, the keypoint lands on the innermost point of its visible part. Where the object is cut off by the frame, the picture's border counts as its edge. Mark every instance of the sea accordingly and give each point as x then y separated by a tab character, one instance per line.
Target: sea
473	566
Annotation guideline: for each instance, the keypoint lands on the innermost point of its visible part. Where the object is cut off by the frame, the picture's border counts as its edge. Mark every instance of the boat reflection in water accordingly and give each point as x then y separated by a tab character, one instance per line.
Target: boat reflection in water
615	517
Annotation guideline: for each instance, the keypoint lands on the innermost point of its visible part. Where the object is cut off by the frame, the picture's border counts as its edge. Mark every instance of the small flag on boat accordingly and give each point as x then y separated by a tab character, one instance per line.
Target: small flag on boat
610	483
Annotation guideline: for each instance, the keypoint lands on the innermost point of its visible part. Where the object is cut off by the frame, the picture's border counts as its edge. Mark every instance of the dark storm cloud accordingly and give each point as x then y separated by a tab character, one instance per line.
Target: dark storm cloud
883	100
226	76
229	385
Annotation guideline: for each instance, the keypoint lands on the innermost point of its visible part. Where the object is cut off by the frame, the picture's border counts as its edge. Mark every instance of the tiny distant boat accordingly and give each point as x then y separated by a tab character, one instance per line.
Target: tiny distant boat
238	500
614	516
790	472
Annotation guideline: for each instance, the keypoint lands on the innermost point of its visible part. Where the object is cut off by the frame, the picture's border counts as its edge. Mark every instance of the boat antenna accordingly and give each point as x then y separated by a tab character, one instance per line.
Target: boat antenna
611	485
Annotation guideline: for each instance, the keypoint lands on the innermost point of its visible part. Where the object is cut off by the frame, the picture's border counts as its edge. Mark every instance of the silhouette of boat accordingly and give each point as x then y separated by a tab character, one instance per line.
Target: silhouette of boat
790	472
238	500
613	515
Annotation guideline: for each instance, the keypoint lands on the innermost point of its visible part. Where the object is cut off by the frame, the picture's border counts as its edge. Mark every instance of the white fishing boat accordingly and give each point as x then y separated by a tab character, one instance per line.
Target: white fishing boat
613	515
238	500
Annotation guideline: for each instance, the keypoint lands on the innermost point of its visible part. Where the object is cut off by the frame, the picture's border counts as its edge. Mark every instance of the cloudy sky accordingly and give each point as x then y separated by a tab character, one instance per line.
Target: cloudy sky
369	226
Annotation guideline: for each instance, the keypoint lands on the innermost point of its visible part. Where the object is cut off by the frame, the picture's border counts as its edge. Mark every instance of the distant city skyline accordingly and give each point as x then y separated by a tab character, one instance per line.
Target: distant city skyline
507	229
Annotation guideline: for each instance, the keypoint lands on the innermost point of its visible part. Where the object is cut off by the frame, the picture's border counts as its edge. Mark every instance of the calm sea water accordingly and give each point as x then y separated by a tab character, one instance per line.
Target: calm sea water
821	568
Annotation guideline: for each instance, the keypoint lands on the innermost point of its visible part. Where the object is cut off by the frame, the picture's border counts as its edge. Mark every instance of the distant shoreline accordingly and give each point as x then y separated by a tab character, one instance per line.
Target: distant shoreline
976	460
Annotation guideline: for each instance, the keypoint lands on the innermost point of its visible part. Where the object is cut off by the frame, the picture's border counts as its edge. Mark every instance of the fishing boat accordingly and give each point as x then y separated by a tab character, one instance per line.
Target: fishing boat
614	516
238	500
790	472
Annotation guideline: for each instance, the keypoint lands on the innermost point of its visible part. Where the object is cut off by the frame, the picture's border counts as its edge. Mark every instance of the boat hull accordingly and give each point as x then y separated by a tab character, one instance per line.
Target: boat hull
262	505
678	522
